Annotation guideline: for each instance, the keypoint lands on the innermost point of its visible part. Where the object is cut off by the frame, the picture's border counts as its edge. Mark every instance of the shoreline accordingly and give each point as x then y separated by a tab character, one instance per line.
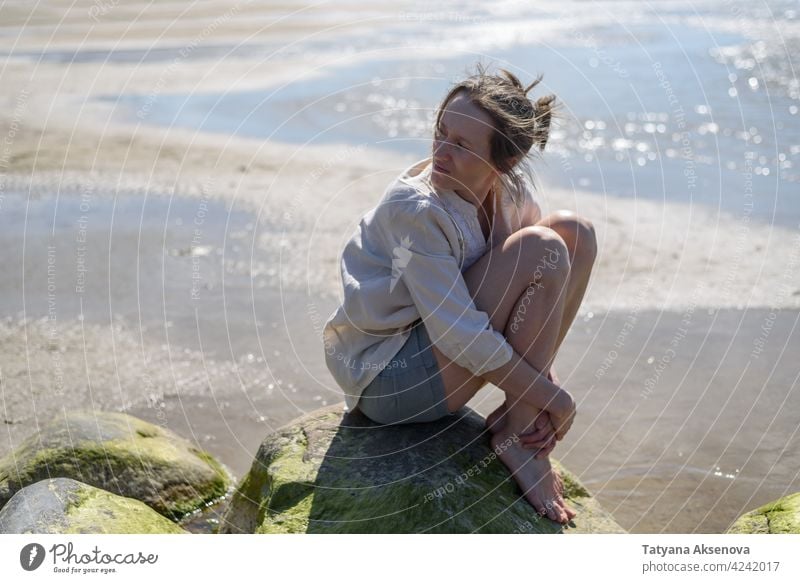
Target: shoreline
645	249
314	195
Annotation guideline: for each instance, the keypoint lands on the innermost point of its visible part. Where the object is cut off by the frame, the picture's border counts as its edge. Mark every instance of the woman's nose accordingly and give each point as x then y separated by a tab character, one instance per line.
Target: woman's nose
441	147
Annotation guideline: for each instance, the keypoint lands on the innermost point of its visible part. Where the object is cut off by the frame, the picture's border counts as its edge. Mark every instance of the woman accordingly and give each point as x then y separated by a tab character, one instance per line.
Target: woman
455	280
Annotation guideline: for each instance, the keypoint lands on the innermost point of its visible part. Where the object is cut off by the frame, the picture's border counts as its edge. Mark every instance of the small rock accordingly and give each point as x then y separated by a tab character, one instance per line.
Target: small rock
779	517
121	454
64	506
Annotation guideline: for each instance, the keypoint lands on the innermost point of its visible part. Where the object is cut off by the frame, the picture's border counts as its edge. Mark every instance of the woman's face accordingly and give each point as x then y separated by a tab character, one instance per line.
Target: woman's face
461	150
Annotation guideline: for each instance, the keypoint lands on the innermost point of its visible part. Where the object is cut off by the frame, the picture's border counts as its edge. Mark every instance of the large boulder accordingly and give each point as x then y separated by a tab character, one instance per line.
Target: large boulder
334	473
64	506
779	517
121	454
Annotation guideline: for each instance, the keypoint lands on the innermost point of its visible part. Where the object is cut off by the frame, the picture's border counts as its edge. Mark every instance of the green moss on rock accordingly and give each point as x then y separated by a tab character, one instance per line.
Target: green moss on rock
121	454
329	473
65	506
778	517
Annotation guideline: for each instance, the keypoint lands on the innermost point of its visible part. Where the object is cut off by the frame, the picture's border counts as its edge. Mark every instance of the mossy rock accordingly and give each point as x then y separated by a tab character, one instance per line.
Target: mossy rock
122	455
64	506
779	517
334	473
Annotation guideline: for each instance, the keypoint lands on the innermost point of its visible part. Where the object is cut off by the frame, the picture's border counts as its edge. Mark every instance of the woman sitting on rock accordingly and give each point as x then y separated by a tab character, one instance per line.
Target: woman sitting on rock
455	280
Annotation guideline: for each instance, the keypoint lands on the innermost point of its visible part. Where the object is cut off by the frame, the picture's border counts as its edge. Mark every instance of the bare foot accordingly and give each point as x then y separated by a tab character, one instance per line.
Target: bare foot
540	483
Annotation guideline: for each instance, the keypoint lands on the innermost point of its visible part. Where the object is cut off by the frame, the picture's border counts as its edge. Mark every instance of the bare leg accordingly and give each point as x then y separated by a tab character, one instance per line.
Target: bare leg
533	333
581	240
579	237
534	255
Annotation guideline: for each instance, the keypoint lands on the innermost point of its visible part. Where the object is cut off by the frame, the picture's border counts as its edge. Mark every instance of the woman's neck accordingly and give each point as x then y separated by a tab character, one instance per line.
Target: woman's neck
482	202
486	213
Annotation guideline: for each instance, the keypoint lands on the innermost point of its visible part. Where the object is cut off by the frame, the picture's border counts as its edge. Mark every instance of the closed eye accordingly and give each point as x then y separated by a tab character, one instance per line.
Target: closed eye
459	144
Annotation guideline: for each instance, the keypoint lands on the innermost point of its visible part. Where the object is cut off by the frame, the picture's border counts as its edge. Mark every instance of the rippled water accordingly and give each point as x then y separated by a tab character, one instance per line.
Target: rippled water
695	102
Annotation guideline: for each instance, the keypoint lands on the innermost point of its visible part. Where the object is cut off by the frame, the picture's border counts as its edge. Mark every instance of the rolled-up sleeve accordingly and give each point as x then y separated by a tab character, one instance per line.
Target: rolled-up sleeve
425	265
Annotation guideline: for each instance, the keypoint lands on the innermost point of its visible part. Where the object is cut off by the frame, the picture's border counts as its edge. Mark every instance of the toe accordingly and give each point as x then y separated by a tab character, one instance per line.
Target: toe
571	513
553	512
540	508
561	514
544	507
565	513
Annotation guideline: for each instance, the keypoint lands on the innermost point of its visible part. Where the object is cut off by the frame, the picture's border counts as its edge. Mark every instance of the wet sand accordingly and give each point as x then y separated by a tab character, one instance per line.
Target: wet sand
185	278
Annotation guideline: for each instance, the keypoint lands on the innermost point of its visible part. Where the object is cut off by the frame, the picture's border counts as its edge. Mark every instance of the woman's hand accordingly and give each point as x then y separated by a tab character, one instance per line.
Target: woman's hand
543	436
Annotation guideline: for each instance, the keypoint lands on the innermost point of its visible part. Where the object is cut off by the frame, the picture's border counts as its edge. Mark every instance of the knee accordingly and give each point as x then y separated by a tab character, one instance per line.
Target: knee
546	253
578	234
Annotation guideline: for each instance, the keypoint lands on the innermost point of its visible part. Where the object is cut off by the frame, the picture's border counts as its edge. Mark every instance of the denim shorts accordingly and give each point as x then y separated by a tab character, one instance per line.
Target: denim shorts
409	389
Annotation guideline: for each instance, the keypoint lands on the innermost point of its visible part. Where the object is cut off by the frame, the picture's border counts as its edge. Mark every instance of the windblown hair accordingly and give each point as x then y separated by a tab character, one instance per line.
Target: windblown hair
519	123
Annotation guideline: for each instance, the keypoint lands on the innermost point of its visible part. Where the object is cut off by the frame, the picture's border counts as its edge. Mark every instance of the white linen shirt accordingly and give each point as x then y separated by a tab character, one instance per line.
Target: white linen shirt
404	262
465	215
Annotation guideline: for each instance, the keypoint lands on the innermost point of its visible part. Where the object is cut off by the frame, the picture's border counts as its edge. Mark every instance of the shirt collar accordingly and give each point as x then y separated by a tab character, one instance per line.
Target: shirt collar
420	174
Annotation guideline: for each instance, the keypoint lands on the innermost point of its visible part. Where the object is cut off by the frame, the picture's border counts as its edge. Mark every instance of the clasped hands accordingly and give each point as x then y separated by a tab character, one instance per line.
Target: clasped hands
550	426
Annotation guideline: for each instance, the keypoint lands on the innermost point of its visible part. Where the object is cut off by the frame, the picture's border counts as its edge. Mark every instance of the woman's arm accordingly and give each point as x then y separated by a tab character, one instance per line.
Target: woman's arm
431	276
518	379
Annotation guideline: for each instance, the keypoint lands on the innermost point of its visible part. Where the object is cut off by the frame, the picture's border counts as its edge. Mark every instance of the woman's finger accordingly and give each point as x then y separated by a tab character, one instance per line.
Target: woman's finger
542	420
542	437
538	435
536	444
